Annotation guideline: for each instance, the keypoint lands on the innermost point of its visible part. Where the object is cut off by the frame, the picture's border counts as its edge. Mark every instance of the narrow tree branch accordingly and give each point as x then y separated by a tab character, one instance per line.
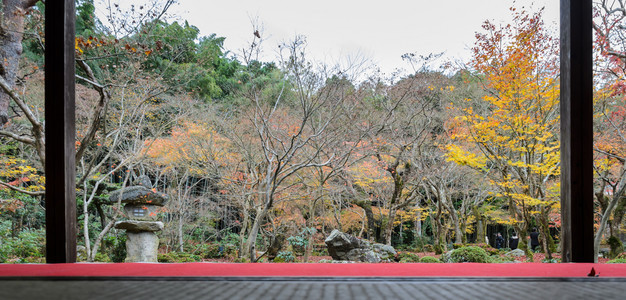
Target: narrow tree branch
30	193
19	138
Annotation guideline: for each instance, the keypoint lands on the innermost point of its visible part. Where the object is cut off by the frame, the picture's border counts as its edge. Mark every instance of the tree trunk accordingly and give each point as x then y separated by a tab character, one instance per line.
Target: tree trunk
371	222
464	230
309	247
458	234
244	230
254	232
418	224
251	243
180	232
11	31
276	244
440	238
480	227
606	214
548	242
389	229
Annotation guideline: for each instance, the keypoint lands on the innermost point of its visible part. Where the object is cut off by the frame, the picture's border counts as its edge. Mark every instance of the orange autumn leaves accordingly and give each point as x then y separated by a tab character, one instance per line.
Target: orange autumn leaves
197	147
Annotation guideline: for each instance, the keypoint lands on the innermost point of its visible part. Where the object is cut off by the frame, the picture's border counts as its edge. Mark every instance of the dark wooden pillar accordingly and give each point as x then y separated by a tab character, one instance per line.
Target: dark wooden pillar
59	126
576	131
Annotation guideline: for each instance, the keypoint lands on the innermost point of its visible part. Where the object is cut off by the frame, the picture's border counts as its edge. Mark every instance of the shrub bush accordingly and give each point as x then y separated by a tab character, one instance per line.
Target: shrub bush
241	260
30	243
101	257
210	251
178	257
230	250
428	248
469	254
429	259
420	242
457	245
320	251
32	260
617	261
284	256
408	257
298	243
118	253
497	259
488	248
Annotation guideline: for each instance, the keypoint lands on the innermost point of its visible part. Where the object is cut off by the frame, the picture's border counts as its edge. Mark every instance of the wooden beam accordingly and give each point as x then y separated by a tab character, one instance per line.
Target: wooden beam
60	134
576	131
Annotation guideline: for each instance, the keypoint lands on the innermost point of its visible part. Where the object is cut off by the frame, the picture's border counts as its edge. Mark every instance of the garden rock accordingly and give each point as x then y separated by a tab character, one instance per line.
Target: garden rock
138	195
141	246
138	226
144	181
516	253
344	247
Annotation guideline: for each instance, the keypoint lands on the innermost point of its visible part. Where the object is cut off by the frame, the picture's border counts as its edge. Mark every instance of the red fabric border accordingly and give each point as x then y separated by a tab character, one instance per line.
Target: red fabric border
314	270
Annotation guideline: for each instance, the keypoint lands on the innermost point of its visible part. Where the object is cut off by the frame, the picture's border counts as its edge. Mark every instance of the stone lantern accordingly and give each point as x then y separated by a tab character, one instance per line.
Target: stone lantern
141	204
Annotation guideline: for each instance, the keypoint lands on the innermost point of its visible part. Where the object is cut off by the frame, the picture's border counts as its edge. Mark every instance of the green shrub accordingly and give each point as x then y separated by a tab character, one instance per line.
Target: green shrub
617	261
33	260
101	257
210	251
457	245
428	248
230	250
178	257
439	248
230	238
551	260
118	252
298	243
320	251
31	243
429	259
497	259
504	250
408	257
488	248
469	254
420	242
284	256
241	260
622	255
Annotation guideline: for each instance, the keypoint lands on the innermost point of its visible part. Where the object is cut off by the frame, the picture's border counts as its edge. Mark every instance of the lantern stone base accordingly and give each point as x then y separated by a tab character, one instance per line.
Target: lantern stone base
141	246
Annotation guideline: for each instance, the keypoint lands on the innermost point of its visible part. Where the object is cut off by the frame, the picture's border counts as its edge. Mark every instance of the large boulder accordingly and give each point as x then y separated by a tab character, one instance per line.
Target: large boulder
342	246
138	195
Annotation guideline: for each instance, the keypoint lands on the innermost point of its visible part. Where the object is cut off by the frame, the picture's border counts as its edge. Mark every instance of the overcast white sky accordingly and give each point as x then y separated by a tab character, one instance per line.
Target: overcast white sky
379	30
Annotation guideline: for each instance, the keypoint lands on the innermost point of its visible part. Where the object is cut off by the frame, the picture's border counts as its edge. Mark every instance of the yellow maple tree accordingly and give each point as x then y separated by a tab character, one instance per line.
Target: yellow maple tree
511	133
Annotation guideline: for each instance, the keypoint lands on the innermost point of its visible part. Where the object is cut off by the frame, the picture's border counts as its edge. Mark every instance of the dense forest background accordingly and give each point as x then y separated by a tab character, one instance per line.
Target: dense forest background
263	159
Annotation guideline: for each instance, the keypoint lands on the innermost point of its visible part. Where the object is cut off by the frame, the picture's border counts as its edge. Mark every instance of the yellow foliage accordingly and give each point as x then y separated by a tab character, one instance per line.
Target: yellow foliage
511	134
